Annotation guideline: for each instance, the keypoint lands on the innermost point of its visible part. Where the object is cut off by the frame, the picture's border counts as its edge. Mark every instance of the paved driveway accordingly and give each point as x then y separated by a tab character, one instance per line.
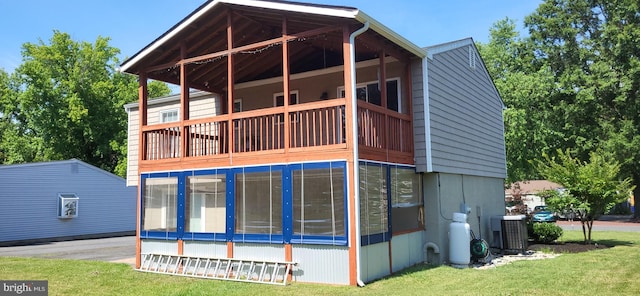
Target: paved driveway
113	249
605	224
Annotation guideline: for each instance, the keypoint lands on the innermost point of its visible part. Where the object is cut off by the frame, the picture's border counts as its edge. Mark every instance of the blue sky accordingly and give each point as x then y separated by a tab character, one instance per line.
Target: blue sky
132	24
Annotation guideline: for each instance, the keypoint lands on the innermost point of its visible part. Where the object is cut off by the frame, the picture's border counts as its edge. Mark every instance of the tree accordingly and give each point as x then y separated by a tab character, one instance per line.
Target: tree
590	47
593	186
524	90
68	103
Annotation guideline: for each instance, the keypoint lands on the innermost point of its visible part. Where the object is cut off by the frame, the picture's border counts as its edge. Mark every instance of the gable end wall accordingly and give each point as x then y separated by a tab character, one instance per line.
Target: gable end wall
465	113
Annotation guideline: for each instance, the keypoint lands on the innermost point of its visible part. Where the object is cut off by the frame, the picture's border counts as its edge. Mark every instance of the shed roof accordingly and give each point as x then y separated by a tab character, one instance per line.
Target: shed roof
36	165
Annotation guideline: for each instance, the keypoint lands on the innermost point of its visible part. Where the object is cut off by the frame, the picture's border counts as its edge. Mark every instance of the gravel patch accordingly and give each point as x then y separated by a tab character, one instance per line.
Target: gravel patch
495	260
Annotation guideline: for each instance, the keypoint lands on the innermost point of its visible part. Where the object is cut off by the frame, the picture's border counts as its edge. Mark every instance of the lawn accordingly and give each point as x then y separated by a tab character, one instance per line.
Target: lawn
611	271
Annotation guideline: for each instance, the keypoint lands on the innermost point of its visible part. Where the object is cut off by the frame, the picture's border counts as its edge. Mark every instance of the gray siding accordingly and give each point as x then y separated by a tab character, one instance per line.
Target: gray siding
465	116
29	200
420	128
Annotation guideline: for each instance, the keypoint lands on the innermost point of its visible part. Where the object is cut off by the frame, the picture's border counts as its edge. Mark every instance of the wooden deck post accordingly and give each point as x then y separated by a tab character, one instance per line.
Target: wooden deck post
230	83
184	103
285	85
143	95
351	163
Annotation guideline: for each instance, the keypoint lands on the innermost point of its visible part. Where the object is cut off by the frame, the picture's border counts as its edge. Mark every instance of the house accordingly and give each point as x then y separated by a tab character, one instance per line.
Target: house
309	134
63	200
527	192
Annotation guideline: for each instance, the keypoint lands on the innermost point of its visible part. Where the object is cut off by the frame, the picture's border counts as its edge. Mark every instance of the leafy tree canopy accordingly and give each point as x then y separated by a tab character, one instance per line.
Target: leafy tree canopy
572	83
66	101
593	186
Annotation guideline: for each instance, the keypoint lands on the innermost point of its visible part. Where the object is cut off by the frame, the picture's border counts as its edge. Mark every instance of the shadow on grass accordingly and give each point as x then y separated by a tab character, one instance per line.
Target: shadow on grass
613	242
409	270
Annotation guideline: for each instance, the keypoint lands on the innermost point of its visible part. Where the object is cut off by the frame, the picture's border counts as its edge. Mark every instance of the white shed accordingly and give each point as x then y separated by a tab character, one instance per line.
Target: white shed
63	200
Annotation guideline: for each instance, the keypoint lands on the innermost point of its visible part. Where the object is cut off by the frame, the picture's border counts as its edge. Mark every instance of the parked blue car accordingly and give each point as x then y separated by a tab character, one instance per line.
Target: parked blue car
543	216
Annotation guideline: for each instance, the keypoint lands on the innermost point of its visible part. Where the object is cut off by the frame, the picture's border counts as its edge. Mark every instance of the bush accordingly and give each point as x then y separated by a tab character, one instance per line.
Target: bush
546	232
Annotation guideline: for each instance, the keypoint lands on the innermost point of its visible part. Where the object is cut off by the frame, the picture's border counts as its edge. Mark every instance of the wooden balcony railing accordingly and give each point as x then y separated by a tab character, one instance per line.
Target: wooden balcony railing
311	125
316	124
384	129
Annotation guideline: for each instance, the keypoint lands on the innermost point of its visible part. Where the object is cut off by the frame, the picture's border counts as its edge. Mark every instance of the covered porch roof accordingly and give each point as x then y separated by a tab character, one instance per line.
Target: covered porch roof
314	33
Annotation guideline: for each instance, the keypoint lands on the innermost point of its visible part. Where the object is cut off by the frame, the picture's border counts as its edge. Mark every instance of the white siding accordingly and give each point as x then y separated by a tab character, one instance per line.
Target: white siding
321	264
201	105
443	194
267	252
205	249
29	200
465	113
375	261
149	246
406	250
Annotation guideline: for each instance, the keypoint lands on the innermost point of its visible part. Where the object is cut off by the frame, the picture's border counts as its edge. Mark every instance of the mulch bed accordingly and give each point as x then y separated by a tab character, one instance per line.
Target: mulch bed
565	247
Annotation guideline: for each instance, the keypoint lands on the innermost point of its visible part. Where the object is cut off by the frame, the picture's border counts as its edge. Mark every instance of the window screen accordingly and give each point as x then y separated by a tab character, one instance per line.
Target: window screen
259	202
160	204
318	202
206	204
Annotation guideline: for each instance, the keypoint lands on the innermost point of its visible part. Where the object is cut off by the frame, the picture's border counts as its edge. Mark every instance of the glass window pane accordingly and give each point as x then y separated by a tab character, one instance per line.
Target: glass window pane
406	199
405	187
373	93
206	204
318	202
361	93
392	95
373	199
259	202
160	204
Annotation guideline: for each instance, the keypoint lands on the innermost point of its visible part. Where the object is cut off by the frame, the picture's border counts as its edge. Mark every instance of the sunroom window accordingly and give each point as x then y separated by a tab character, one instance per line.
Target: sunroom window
374	212
318	202
206	204
258	202
160	204
406	199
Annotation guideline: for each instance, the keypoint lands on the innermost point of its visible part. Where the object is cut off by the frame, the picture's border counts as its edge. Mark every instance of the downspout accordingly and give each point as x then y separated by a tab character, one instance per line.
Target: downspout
356	171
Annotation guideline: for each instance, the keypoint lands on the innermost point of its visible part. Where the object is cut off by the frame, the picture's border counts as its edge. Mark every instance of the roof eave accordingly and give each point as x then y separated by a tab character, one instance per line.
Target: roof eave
390	34
337	11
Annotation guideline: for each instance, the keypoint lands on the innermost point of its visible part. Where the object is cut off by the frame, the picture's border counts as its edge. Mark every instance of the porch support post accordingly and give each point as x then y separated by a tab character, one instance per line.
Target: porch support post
143	95
351	162
184	102
230	84
285	85
382	82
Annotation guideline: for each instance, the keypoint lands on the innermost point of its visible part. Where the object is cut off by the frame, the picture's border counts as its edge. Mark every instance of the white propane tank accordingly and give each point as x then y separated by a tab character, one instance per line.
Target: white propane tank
459	240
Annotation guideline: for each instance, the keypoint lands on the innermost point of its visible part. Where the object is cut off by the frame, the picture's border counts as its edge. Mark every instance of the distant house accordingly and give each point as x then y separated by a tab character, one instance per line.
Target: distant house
310	134
62	200
527	192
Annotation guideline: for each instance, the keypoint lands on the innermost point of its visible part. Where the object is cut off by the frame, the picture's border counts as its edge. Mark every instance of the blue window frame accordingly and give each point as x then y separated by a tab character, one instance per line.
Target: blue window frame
206	206
250	204
258	201
160	212
319	203
388	193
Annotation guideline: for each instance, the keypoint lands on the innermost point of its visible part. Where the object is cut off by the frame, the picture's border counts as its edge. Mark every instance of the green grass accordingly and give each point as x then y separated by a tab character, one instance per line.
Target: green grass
611	271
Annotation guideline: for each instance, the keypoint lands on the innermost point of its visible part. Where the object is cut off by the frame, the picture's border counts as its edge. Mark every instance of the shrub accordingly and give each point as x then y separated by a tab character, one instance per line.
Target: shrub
546	232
